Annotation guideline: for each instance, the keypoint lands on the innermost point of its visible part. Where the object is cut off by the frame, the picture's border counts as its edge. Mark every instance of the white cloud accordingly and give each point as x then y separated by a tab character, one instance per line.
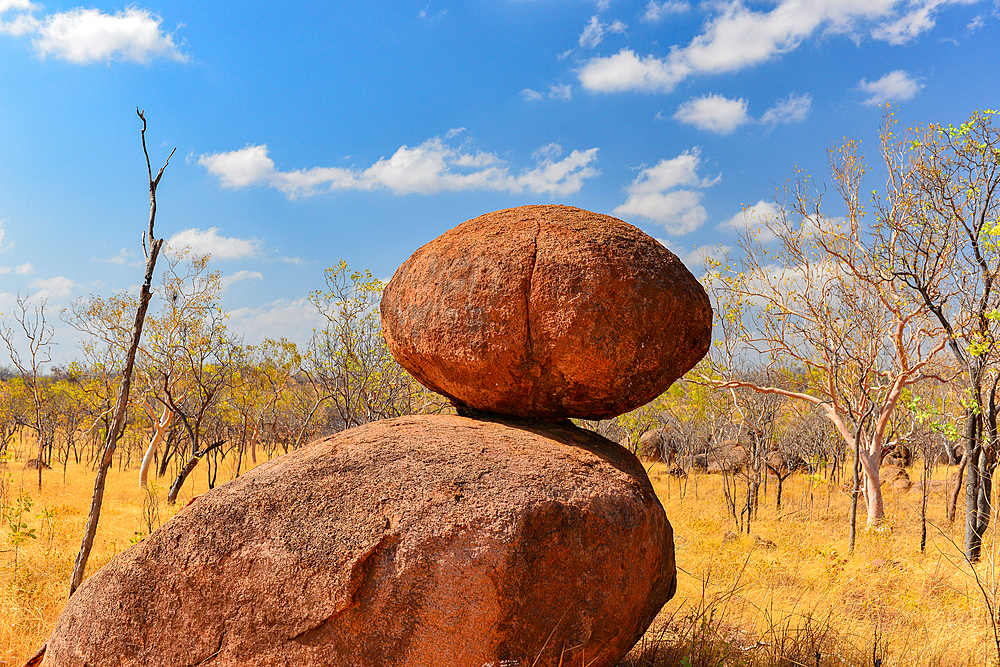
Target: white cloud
85	36
120	258
594	32
294	320
556	92
59	287
208	241
240	276
4	247
713	113
976	23
896	86
657	11
627	71
679	211
694	259
24	21
903	28
792	109
753	221
656	194
25	269
433	166
238	169
603	5
4	269
23	5
736	37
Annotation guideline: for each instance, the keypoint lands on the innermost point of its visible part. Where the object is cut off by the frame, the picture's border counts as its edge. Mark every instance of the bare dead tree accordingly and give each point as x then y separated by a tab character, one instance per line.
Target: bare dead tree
38	334
114	432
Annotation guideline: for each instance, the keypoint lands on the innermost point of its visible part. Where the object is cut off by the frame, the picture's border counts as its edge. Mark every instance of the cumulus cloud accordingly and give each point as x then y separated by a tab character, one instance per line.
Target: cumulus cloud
208	241
85	36
713	113
431	167
665	194
657	11
594	32
694	259
627	71
753	221
284	318
239	276
896	86
25	269
736	36
792	109
23	21
59	287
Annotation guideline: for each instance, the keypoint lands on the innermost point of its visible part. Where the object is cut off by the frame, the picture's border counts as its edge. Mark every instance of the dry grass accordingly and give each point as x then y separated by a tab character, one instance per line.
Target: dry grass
32	597
802	601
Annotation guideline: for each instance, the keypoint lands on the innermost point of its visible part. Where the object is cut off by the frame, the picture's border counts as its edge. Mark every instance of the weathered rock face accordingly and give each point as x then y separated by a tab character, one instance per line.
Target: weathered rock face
546	312
430	540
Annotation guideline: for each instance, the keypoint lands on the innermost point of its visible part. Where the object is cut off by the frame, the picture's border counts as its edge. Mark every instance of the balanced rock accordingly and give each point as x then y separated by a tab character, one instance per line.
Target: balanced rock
546	312
430	541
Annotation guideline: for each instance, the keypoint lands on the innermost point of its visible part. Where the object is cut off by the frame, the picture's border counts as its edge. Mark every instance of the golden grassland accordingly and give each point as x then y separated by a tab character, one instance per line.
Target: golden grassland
796	597
786	594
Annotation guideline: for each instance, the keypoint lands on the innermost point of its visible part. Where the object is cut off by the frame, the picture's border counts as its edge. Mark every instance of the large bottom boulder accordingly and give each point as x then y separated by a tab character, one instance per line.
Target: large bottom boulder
432	540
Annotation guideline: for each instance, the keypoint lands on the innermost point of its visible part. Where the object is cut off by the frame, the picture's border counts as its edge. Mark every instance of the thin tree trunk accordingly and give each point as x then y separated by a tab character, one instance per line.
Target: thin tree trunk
953	501
923	501
188	469
856	488
107	455
973	540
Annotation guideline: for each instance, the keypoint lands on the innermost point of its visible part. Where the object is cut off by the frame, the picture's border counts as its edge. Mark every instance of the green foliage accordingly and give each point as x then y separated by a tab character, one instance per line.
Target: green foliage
348	358
18	531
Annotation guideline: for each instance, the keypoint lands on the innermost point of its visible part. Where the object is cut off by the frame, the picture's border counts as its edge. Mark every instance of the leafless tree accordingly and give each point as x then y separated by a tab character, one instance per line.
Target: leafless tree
114	431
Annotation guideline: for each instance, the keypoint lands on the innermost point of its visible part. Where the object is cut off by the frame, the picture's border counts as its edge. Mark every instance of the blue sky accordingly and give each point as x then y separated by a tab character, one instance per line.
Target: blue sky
313	132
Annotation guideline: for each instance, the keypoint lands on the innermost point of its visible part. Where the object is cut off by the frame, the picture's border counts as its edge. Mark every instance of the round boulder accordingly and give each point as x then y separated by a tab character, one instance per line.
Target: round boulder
654	445
546	312
417	541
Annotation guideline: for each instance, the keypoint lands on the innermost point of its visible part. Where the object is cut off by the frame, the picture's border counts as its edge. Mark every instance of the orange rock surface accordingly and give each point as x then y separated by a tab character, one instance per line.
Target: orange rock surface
417	541
546	312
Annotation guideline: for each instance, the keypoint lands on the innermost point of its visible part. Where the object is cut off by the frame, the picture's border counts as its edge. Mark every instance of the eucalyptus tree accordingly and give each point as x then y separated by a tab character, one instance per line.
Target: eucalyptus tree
941	216
818	298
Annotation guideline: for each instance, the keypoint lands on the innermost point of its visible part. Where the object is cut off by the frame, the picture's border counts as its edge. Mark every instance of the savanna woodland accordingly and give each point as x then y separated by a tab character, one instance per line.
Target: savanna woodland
827	468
